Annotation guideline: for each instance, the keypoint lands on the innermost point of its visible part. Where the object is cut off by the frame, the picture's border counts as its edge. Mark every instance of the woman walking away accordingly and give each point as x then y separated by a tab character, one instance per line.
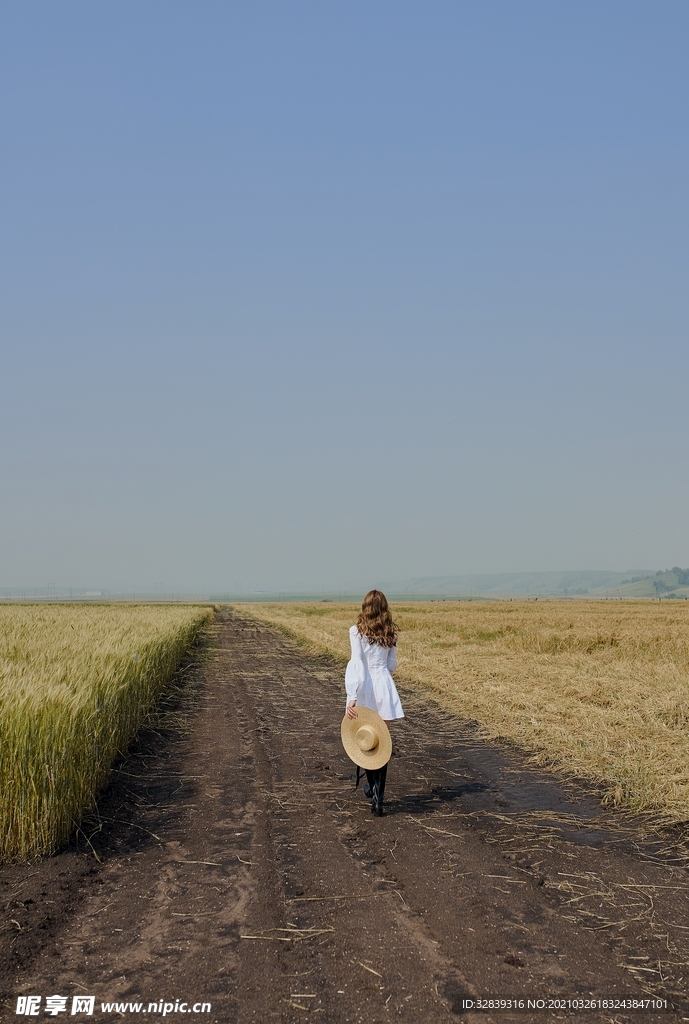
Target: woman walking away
368	680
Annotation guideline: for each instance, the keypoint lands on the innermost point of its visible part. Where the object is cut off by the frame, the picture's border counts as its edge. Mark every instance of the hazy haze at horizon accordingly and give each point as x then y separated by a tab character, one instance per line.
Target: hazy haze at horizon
302	296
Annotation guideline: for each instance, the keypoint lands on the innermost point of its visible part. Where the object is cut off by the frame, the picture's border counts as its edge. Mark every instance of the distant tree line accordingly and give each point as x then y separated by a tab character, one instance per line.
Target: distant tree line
665	586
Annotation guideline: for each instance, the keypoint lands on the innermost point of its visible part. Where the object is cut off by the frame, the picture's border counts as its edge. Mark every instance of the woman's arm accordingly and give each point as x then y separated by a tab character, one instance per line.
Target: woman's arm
355	673
392	658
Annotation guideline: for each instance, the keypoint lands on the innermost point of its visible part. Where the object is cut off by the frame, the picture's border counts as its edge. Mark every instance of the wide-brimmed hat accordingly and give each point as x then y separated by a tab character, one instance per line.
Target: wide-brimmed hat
366	739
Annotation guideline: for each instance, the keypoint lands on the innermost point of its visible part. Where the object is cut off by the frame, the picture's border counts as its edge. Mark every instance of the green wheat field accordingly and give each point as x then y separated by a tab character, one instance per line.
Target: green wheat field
76	682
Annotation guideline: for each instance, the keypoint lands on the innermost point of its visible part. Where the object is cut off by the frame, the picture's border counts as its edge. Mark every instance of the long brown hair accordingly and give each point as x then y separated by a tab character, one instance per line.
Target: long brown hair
375	621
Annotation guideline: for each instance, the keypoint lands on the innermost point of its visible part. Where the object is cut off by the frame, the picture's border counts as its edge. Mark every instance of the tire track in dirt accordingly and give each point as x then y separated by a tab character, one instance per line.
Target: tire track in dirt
485	878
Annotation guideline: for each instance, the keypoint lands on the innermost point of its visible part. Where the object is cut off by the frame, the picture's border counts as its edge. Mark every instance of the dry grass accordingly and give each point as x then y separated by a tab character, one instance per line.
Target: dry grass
75	684
599	689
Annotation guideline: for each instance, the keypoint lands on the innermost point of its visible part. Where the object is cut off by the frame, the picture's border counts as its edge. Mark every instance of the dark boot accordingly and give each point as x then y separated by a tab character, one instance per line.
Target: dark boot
383	777
378	790
368	787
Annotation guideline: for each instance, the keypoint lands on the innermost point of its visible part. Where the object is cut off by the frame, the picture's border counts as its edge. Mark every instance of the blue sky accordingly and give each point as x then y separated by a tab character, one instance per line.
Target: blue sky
300	295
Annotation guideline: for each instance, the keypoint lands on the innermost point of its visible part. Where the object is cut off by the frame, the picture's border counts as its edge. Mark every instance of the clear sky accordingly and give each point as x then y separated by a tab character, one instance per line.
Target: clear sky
317	294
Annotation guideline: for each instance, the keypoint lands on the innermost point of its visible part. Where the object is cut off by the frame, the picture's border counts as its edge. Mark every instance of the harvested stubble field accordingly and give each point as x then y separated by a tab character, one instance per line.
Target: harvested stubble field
597	689
75	684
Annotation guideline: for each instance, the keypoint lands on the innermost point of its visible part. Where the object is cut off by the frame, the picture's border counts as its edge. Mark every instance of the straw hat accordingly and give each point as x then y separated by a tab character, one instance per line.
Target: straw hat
366	739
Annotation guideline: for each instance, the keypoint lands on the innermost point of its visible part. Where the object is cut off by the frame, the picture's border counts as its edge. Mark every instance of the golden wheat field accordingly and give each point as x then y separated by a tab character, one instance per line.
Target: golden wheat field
599	689
75	684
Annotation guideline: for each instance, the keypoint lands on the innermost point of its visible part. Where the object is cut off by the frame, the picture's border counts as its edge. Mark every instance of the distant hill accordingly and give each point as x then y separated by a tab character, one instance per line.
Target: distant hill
580	583
671	583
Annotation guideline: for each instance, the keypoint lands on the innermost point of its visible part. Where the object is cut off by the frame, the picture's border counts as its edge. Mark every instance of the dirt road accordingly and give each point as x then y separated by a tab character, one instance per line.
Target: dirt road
240	868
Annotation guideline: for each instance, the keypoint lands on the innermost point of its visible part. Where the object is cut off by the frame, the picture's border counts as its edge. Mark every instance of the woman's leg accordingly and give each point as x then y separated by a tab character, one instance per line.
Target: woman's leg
376	806
378	790
383	776
381	780
375	788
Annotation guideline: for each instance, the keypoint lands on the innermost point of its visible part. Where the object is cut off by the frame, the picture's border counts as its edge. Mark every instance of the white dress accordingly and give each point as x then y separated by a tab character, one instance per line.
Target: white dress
368	680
